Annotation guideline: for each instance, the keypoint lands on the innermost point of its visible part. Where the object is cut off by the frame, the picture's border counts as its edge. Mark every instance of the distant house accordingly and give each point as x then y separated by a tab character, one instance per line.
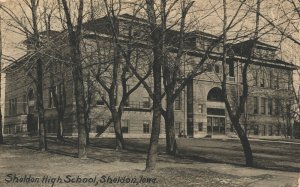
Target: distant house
200	108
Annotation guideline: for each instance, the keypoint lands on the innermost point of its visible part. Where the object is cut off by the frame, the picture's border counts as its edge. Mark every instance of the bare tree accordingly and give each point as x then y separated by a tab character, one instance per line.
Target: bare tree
58	92
236	109
74	32
110	67
28	25
1	124
158	48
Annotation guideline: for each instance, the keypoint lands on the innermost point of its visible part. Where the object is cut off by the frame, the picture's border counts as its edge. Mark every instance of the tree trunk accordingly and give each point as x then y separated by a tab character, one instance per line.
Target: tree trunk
60	130
156	118
1	126
171	145
80	108
120	143
153	146
74	37
246	145
40	107
87	130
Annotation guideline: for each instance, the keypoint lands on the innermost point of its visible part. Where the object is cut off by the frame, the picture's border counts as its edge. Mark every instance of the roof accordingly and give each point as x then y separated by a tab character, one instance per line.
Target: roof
51	33
197	33
101	26
16	63
258	44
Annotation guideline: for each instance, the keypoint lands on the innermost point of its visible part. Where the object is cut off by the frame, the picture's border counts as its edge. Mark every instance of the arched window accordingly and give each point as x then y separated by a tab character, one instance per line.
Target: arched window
215	94
30	95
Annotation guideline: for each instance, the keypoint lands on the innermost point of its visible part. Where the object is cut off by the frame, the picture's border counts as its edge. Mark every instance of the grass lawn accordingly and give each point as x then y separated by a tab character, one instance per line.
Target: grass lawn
201	162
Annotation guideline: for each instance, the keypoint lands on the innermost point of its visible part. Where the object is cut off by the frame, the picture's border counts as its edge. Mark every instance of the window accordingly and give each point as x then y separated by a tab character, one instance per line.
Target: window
215	94
146	102
13	107
255	78
270	79
255	107
178	102
48	123
24	103
51	103
217	68
101	127
263	105
55	125
278	129
16	106
231	69
276	81
200	108
51	126
288	108
146	127
270	130
209	67
200	126
125	126
277	105
100	102
177	128
9	108
126	103
254	129
262	80
50	98
290	81
270	106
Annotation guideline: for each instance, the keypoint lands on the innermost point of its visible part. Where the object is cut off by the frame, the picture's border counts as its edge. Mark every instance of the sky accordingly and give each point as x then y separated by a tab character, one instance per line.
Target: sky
201	15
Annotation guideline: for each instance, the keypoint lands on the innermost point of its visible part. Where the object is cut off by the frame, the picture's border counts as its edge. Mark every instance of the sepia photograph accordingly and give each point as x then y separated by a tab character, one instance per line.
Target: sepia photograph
200	93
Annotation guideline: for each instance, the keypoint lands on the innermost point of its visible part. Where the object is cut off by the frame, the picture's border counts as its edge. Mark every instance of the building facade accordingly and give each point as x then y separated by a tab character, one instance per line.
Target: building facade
199	110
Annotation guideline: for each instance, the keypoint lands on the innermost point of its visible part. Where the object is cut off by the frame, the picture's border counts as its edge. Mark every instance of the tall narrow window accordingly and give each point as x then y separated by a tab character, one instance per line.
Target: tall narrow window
255	103
277	106
178	103
231	69
50	99
270	106
270	79
10	108
13	107
277	80
290	81
146	127
177	127
16	106
263	105
270	130
24	103
125	126
217	68
127	100
262	79
255	78
200	126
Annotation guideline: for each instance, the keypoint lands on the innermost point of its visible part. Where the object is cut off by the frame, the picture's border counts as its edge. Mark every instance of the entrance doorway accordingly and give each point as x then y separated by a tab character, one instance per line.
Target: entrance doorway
215	125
